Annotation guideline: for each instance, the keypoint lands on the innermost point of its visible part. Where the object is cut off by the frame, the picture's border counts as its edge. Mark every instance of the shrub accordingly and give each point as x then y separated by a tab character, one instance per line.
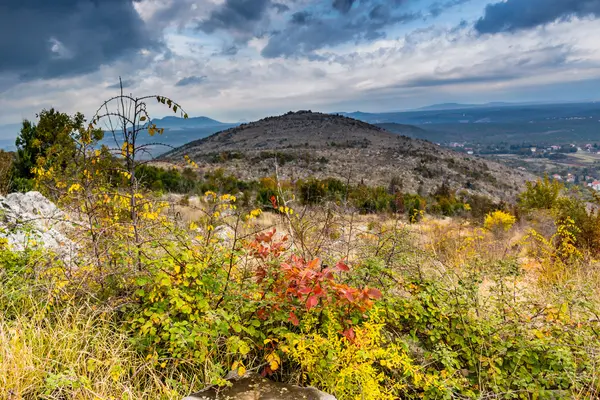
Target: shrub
371	199
415	207
499	221
314	191
542	194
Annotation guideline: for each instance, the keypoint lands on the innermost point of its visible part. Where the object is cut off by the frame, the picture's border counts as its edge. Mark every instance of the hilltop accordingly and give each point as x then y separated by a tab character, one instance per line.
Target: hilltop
306	143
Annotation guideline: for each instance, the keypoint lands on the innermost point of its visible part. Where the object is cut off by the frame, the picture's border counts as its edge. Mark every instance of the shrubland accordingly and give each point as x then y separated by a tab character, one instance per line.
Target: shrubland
359	291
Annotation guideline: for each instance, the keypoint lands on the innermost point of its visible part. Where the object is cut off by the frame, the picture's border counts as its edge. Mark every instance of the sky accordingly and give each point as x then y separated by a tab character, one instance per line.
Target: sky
236	60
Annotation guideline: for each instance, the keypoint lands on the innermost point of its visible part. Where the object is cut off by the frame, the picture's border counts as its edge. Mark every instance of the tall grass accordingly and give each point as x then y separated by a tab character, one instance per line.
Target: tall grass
77	353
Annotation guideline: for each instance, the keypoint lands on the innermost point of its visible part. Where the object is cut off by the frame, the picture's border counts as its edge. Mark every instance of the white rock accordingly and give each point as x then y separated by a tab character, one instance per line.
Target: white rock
29	219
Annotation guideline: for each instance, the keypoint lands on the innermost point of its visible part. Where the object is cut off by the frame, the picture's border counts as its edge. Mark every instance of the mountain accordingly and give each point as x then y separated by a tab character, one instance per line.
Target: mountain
307	144
458	106
177	132
186	123
493	123
406	130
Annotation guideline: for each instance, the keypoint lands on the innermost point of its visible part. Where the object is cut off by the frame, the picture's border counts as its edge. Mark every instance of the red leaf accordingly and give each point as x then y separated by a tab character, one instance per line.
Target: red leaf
313	264
261	314
274	201
312	302
342	266
349	296
349	334
374	293
294	319
305	290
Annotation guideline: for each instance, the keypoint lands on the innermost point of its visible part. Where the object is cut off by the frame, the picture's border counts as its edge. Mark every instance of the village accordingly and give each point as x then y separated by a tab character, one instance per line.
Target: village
570	163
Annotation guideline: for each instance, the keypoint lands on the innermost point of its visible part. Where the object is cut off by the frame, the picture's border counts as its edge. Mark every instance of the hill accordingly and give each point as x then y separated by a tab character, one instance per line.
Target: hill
186	123
306	144
406	130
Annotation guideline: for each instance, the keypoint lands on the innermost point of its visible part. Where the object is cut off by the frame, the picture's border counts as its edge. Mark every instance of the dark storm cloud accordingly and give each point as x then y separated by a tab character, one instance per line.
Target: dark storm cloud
191	80
348	21
281	8
300	18
305	32
514	15
236	15
45	39
343	6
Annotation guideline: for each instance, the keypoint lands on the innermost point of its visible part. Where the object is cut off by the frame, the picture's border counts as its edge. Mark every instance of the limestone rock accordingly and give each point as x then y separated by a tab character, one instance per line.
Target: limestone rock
29	219
255	387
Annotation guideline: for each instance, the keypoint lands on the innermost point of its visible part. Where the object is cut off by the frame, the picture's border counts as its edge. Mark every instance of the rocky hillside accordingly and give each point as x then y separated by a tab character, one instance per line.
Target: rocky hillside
306	144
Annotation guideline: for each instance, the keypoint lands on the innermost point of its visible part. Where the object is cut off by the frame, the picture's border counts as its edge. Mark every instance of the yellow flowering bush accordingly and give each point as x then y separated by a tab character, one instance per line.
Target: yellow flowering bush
498	221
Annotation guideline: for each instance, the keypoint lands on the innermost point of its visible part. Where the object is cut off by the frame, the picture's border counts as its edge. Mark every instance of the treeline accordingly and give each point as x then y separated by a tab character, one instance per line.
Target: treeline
317	192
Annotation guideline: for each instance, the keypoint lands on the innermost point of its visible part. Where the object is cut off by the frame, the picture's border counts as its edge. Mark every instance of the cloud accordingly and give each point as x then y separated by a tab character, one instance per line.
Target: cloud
438	8
191	80
227	51
514	15
237	17
300	18
307	32
280	7
47	39
343	6
126	84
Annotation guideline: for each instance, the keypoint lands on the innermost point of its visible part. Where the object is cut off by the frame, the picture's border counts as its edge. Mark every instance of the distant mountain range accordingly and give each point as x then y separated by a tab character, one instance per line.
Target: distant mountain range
188	123
443	123
458	106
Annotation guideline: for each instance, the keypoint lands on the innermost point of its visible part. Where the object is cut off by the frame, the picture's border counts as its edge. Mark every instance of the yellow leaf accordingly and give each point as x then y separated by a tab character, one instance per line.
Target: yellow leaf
274	361
241	370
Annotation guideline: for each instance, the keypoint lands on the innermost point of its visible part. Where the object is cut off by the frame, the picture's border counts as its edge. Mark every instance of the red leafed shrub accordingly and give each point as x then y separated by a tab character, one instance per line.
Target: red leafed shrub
292	287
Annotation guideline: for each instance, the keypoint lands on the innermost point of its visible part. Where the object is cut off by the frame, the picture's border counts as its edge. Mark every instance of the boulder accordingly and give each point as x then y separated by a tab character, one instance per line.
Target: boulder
29	219
255	387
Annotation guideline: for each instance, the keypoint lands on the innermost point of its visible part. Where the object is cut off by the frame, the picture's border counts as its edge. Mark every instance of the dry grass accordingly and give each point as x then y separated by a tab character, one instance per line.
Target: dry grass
77	354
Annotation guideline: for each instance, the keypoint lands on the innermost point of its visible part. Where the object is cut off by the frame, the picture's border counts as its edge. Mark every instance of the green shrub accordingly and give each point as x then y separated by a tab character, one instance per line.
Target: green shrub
371	199
542	194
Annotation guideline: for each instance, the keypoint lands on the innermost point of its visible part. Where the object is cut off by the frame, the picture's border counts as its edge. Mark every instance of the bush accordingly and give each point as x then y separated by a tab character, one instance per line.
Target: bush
415	207
542	194
371	199
499	221
314	191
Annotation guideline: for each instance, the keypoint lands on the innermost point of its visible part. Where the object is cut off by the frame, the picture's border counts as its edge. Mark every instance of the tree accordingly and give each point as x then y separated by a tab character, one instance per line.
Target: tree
49	142
126	118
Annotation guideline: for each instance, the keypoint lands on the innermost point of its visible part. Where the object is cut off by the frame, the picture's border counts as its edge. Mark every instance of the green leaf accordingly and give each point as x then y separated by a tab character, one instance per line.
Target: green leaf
142	118
175	108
